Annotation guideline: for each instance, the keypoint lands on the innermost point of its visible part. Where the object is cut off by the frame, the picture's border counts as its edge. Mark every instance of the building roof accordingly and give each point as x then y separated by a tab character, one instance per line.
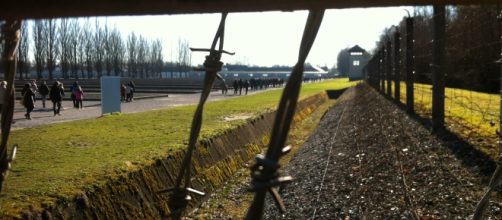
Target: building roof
356	48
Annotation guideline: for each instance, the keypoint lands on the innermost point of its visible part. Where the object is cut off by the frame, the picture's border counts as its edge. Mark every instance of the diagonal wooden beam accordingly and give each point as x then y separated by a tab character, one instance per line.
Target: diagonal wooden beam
15	9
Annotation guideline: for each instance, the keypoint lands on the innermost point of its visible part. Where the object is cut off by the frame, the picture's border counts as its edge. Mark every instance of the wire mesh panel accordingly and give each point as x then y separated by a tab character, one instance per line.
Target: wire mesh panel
472	47
472	75
423	63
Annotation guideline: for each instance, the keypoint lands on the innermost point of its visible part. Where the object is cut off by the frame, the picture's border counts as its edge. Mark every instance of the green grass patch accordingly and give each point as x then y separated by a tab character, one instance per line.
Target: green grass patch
56	161
473	116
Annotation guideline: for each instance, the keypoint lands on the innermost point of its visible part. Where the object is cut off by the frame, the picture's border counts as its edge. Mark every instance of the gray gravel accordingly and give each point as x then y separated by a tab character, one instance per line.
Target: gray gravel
369	160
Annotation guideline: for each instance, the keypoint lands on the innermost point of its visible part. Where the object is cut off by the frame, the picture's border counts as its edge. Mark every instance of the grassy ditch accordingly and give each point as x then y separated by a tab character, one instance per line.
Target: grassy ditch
473	116
57	161
233	200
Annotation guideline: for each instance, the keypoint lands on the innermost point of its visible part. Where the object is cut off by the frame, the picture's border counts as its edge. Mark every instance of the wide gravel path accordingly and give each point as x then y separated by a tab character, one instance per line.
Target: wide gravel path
92	109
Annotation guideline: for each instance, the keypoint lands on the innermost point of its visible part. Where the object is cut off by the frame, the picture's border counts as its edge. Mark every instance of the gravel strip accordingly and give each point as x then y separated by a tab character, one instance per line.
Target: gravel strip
380	165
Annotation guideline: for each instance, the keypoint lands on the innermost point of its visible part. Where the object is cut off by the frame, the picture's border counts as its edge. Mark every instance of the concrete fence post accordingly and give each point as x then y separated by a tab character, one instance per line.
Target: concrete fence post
388	68
381	70
409	66
438	53
397	66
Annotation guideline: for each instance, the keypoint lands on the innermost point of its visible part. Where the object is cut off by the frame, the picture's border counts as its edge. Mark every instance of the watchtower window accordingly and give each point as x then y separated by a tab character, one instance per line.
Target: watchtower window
355	63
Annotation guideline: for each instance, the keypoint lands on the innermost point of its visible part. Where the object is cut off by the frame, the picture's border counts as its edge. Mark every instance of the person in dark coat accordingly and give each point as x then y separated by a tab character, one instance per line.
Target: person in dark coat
56	95
133	89
236	86
241	84
44	91
28	100
246	86
224	88
73	91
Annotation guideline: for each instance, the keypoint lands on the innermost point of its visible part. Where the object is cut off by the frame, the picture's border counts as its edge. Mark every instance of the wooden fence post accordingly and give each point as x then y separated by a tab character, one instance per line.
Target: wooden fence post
438	54
397	66
409	66
388	69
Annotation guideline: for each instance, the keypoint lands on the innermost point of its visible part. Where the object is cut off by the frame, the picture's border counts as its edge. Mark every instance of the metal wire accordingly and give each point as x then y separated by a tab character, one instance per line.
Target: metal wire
12	34
179	197
265	172
328	160
496	180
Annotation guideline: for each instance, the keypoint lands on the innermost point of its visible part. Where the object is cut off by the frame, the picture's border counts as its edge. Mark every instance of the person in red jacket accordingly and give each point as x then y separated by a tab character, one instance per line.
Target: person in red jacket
79	97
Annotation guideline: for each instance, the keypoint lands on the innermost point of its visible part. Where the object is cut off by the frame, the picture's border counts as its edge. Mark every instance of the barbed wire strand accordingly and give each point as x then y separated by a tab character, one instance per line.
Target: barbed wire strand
264	173
12	36
333	140
179	198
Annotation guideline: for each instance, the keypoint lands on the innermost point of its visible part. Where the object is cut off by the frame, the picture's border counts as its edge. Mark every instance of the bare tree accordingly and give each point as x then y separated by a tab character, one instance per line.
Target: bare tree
117	50
343	62
108	50
99	50
184	58
81	51
147	63
52	47
132	42
23	62
64	45
39	46
156	58
73	46
89	48
141	56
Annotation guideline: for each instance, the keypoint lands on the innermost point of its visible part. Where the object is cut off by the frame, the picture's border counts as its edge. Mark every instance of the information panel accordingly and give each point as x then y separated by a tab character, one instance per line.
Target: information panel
110	94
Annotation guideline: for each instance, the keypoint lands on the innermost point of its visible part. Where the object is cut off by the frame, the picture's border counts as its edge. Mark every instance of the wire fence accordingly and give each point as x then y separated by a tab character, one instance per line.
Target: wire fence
452	72
471	73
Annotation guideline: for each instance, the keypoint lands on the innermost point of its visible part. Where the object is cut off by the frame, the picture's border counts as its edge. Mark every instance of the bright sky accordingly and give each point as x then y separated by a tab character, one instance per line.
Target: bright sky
266	38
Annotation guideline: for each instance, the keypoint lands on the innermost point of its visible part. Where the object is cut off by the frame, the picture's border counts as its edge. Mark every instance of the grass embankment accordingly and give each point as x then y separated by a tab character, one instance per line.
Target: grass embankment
230	200
56	161
473	116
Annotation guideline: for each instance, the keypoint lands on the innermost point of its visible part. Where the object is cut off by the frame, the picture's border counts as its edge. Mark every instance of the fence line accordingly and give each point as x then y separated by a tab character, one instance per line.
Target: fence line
443	57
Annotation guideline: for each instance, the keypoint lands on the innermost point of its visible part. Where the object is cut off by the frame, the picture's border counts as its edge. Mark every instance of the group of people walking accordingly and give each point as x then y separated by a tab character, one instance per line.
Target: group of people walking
55	93
240	84
127	92
252	84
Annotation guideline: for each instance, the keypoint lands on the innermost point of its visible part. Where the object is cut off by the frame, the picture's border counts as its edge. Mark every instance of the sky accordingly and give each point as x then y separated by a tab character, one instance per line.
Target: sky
265	38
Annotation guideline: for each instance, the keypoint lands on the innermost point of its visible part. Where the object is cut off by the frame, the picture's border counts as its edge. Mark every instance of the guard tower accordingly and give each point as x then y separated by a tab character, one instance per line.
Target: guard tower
358	59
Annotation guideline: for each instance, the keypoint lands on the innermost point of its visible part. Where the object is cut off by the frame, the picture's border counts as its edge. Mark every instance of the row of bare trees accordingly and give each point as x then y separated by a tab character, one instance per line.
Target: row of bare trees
77	48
